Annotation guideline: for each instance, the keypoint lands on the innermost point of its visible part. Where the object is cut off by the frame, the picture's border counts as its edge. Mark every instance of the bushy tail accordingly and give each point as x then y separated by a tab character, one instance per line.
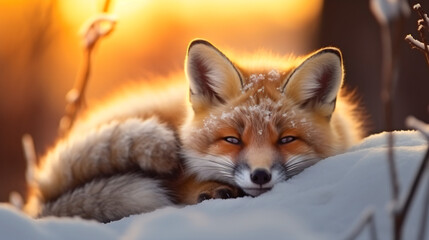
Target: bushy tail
70	169
109	199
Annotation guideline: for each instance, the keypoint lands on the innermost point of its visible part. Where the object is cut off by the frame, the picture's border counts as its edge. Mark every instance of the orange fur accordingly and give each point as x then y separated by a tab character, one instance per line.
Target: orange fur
242	125
301	98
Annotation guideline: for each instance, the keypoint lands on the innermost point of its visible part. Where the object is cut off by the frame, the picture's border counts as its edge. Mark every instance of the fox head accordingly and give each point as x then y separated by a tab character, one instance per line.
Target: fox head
254	127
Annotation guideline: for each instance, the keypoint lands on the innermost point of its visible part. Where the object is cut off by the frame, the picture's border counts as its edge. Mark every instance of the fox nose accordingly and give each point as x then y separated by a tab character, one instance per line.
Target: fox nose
260	176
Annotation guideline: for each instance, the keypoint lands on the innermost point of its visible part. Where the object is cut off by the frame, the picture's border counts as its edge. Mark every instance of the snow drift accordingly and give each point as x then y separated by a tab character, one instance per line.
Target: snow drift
323	202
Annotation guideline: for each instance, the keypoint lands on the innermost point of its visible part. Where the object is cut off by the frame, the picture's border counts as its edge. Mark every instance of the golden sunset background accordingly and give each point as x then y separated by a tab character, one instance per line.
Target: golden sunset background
41	50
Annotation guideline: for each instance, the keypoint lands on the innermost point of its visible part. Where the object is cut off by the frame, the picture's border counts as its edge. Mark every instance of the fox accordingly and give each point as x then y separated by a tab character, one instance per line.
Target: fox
228	128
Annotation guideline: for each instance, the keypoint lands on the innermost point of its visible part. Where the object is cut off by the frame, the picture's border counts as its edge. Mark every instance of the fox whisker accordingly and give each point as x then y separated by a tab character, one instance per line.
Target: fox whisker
298	164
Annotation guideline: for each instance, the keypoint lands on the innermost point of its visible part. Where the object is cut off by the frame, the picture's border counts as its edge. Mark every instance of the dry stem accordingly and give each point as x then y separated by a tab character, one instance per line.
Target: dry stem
388	77
424	16
30	156
424	218
367	218
390	16
414	43
106	6
96	29
422	25
424	166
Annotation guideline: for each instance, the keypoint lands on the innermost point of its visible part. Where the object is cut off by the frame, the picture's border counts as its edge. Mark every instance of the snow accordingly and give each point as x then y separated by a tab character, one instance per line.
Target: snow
323	202
273	75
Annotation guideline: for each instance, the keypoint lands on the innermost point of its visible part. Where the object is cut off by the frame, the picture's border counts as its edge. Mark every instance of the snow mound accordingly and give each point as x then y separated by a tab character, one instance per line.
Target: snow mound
323	202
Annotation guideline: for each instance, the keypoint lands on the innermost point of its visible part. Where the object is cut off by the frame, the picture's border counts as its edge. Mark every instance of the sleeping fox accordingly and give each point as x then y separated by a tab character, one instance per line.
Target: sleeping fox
231	128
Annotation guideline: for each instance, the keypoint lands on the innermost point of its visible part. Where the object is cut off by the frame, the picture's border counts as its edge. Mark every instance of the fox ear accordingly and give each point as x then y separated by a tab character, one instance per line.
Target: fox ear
213	78
317	81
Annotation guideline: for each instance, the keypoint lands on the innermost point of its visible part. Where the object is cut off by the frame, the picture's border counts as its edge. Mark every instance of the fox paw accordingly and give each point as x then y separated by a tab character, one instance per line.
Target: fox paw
220	192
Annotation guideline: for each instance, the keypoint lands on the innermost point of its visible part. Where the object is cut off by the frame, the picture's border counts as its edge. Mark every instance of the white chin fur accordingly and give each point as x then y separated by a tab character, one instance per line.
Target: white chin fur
242	179
254	192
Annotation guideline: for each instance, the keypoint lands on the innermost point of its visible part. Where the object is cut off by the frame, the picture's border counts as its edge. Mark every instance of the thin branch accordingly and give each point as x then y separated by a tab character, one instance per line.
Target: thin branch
422	26
418	8
391	16
422	36
422	127
16	200
367	218
30	156
106	6
388	79
424	218
414	43
96	28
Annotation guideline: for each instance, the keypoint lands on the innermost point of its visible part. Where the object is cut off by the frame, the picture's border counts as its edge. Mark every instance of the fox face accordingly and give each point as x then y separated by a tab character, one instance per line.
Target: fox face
255	127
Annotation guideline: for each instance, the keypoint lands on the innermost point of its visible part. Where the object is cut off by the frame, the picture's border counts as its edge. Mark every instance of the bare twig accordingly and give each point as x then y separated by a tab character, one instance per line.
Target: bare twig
16	200
401	212
31	159
96	28
422	36
424	17
386	93
424	218
391	16
106	6
414	43
422	26
30	156
367	218
422	127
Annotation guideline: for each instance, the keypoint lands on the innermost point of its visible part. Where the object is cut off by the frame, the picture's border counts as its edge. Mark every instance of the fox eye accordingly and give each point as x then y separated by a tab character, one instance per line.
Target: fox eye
287	139
232	140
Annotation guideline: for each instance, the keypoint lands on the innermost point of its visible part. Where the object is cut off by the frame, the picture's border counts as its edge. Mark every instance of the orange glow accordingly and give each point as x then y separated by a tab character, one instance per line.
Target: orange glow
151	36
288	12
206	16
154	32
40	50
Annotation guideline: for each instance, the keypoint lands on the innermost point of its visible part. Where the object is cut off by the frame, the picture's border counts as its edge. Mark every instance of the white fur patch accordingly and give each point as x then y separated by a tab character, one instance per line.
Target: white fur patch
109	199
243	180
209	167
298	163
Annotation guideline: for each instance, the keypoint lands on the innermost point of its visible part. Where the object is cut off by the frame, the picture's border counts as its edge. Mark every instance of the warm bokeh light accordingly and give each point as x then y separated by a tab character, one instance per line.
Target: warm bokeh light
290	13
151	32
40	51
